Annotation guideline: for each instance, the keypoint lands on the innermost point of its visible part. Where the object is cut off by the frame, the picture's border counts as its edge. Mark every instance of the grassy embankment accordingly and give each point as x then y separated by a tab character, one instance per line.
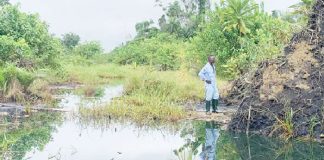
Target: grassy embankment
148	94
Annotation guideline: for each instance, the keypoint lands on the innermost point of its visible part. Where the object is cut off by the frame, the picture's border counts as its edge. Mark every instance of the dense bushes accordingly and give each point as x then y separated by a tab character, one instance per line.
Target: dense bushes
25	35
189	31
238	32
264	37
14	82
241	34
162	51
88	49
13	51
25	45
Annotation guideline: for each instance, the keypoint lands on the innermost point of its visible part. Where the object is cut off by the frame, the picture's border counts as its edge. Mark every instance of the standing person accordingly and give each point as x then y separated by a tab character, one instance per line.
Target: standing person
208	75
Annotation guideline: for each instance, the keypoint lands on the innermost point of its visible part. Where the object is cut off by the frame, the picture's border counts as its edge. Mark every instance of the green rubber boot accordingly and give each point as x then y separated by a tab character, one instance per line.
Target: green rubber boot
207	106
215	105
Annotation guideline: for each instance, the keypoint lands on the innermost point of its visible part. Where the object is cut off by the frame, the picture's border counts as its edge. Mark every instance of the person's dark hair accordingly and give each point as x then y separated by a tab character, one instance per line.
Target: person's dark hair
211	55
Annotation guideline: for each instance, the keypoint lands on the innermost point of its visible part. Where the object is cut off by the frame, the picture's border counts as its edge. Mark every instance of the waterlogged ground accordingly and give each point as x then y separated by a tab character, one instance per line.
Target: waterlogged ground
66	136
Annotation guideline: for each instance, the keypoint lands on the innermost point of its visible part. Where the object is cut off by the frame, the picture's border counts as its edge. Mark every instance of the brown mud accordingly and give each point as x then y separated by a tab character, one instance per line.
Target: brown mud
285	96
197	111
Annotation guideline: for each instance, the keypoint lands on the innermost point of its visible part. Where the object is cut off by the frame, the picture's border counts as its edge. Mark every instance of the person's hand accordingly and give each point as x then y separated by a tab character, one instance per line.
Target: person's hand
208	81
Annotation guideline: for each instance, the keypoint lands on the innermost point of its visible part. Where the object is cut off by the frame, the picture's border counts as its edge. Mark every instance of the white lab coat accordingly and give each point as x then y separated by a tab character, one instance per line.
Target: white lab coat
208	72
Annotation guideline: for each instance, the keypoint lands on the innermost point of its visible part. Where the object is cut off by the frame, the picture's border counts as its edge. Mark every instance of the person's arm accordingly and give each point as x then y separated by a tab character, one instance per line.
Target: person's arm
215	74
203	75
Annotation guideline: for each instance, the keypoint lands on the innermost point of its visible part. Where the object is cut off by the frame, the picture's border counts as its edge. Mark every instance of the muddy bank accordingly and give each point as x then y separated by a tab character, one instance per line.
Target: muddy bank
31	99
284	96
197	111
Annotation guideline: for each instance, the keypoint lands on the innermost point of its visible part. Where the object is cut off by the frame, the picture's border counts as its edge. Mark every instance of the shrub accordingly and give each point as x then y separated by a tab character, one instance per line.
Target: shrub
163	52
237	53
89	49
25	34
13	51
14	81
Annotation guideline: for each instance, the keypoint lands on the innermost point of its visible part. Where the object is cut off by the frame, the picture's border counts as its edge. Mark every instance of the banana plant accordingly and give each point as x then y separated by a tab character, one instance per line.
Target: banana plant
237	14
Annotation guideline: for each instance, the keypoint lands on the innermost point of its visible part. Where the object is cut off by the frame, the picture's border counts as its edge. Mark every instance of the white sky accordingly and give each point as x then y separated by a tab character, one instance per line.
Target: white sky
111	22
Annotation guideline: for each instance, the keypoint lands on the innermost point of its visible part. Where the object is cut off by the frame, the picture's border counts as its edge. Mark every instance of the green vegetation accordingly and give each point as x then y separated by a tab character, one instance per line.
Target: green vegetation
257	147
239	32
91	74
14	82
25	39
158	66
18	139
240	47
158	69
241	146
161	51
302	10
70	40
151	95
27	49
25	45
88	49
286	124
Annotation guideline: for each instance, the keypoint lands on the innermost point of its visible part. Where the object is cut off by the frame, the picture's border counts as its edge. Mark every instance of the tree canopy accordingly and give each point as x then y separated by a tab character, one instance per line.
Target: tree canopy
70	40
25	37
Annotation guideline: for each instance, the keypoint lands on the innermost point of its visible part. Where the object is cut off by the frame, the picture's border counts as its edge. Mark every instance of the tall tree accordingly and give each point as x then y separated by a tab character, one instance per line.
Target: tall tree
70	40
203	6
145	29
174	14
30	30
89	49
183	17
162	23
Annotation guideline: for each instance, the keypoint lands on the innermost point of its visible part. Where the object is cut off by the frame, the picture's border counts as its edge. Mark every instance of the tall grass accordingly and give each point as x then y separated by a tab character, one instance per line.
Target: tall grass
151	95
93	74
14	82
285	124
148	94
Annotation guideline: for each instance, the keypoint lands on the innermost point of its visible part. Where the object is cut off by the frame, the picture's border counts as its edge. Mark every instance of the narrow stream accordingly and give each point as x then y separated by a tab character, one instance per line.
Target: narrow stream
64	136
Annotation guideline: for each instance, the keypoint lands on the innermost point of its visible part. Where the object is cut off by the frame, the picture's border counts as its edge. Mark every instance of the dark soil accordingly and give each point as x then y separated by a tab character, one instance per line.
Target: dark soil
284	97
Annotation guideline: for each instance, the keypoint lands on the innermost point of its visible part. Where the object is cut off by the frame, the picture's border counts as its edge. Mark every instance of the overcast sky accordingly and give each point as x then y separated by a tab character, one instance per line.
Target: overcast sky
109	21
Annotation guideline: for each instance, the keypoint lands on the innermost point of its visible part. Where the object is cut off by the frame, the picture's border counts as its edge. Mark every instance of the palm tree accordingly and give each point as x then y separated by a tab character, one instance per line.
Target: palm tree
236	14
303	8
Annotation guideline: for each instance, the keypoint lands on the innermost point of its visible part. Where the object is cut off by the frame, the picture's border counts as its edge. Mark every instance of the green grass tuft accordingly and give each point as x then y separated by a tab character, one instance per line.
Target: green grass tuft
151	95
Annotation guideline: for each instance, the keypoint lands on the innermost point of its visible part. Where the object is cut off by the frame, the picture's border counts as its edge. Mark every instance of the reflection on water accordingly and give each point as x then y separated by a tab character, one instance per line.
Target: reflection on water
117	141
18	138
204	141
46	136
209	148
256	147
201	141
73	102
64	136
